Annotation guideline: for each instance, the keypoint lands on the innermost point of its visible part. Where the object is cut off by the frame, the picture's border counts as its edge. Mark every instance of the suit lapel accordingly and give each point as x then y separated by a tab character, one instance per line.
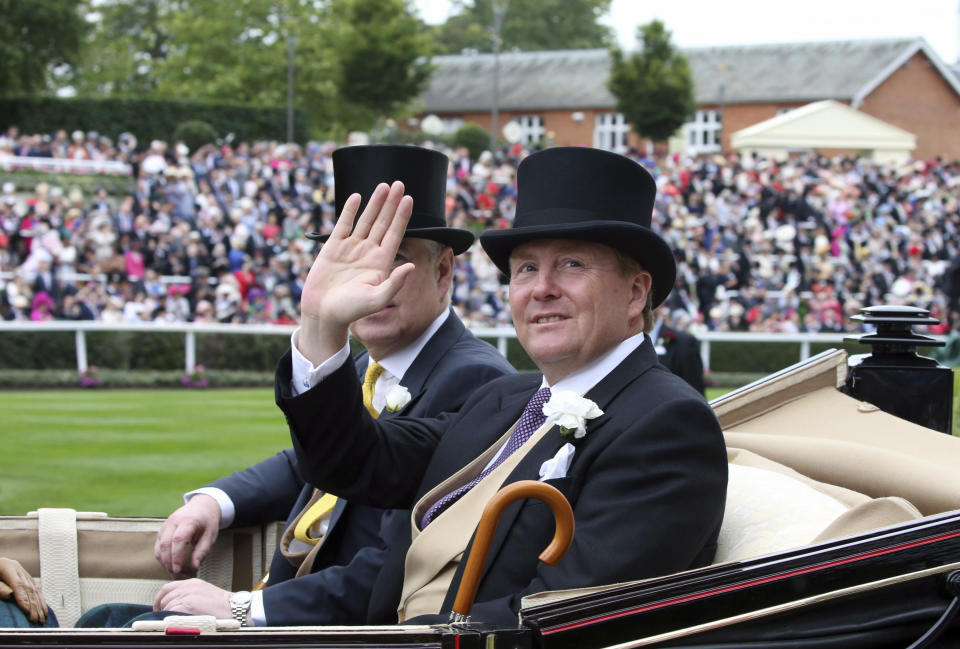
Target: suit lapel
603	393
361	361
416	376
629	370
336	514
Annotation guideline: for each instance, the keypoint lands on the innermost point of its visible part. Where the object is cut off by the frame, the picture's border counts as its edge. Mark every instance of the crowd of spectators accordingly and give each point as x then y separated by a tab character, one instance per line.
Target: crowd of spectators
217	235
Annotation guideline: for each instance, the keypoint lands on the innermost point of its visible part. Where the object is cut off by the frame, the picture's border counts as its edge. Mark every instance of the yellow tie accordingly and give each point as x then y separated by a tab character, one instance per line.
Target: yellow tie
312	516
374	370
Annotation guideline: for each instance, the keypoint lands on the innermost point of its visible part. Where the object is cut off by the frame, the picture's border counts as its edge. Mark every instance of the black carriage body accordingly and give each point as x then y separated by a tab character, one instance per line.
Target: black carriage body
882	589
397	637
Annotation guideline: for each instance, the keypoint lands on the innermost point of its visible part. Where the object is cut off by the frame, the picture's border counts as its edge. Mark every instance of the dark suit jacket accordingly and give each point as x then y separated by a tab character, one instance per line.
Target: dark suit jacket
450	366
647	483
682	356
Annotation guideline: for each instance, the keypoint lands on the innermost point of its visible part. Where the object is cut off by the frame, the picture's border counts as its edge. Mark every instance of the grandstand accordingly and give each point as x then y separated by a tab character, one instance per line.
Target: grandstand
216	235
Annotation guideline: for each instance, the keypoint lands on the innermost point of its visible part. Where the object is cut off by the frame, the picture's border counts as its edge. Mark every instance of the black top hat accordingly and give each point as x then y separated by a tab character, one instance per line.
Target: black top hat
423	172
590	195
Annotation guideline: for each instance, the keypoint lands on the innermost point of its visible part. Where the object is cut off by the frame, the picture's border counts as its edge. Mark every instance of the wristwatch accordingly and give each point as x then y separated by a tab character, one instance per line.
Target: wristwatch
240	606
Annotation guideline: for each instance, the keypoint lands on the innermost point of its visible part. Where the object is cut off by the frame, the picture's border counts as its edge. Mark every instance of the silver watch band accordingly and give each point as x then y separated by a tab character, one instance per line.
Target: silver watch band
240	606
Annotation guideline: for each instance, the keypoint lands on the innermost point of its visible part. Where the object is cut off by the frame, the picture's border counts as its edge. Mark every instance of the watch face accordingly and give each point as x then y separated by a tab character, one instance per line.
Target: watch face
240	598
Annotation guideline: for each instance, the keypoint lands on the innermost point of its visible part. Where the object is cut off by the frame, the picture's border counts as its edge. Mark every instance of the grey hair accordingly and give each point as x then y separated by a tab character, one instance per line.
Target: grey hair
434	250
630	266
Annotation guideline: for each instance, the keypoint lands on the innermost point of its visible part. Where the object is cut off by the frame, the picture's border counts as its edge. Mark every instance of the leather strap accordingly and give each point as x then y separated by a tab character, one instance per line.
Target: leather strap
59	572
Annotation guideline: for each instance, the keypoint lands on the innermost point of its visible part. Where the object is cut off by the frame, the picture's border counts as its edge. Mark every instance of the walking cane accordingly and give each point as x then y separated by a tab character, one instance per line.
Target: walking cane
562	537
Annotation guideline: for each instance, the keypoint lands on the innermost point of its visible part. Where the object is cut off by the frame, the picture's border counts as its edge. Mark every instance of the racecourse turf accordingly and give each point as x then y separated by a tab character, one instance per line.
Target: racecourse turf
135	452
128	452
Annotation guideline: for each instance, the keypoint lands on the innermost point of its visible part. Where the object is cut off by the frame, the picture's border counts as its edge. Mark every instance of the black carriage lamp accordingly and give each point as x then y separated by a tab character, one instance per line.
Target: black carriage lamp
894	377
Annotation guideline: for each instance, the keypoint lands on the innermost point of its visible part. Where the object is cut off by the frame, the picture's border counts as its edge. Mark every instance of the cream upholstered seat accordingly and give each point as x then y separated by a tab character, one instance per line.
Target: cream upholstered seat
771	508
769	512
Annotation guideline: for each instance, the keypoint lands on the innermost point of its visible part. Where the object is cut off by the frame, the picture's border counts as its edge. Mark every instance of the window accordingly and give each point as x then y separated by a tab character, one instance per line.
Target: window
703	133
433	125
451	125
610	132
531	128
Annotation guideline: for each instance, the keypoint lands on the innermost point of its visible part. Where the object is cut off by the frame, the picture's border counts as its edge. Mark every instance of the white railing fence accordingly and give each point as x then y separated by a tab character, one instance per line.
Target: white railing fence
64	165
103	278
500	334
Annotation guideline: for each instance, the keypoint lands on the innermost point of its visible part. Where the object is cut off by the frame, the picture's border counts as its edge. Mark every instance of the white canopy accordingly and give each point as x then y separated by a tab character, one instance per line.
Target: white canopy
826	125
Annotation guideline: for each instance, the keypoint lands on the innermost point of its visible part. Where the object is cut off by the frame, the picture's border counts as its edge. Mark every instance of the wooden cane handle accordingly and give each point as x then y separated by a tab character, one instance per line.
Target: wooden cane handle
562	537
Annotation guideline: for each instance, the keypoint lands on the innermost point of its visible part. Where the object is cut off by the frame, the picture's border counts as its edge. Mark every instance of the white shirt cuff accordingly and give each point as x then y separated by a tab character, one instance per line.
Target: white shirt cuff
304	374
257	615
227	510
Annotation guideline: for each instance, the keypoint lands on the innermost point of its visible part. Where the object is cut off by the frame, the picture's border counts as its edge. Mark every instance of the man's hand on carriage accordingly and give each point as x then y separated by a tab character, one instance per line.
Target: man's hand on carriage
194	597
195	524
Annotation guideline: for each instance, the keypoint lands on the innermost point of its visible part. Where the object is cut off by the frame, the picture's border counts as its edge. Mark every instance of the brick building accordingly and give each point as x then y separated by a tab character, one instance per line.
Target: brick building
564	94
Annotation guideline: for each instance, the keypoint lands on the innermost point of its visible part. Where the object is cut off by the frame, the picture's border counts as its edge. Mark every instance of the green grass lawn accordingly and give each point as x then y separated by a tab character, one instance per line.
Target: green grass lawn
128	452
135	452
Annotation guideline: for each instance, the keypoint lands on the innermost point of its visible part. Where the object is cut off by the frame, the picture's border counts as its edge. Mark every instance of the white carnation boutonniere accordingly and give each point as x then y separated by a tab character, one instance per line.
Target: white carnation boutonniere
570	412
397	397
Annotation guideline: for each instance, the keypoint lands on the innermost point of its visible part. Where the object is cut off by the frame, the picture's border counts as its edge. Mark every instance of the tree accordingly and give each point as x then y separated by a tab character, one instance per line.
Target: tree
35	38
237	52
653	86
472	136
383	58
528	25
126	42
354	60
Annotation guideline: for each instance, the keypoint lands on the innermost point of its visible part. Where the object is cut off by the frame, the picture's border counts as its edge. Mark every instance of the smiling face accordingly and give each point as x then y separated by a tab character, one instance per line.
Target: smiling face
418	303
572	301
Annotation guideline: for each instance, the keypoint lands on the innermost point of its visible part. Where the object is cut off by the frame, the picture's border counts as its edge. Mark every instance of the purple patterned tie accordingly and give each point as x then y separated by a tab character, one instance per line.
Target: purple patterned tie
531	419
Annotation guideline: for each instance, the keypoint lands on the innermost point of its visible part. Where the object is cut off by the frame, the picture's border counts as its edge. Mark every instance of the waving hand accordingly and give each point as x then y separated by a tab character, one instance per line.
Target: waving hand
354	275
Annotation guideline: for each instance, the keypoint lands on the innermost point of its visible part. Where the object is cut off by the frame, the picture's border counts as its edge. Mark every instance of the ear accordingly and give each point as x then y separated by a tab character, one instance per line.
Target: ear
443	269
640	293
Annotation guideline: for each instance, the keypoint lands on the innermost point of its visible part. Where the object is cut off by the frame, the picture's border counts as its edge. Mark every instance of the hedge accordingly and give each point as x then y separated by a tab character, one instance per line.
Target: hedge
148	351
26	180
148	119
139	350
33	379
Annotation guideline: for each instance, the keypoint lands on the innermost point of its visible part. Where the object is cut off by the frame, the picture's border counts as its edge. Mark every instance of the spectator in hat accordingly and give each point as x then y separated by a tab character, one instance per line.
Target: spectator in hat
678	350
204	312
77	149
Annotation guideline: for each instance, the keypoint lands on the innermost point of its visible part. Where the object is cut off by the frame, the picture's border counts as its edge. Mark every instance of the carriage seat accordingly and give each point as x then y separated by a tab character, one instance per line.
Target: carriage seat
771	508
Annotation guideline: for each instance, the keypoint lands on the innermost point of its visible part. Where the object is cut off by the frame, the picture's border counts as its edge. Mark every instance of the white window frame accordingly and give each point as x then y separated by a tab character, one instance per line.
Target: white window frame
610	132
704	133
532	129
450	125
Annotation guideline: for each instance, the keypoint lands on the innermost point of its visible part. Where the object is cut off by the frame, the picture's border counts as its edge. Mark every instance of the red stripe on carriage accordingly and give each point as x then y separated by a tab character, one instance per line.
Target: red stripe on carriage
752	582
